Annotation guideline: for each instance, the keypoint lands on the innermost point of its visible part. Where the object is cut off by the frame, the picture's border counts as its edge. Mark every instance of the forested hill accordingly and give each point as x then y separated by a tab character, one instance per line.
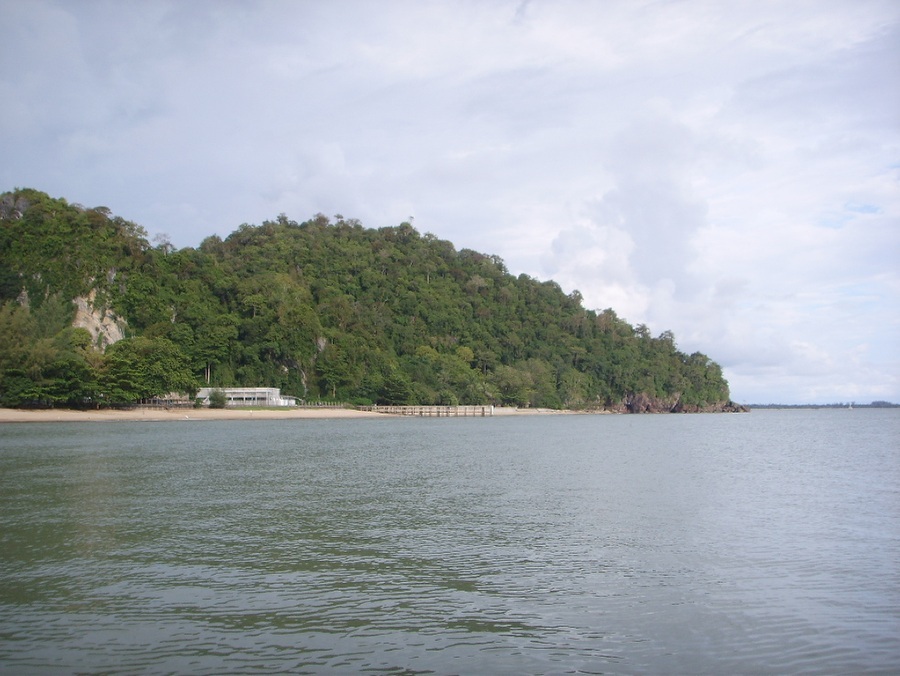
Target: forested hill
322	309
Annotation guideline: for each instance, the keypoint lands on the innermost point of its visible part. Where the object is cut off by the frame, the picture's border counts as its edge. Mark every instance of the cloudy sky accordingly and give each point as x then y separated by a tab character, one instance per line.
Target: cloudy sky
725	170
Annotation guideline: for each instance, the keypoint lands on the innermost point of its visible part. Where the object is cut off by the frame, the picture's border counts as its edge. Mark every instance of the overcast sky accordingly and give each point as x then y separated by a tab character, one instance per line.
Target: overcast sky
725	170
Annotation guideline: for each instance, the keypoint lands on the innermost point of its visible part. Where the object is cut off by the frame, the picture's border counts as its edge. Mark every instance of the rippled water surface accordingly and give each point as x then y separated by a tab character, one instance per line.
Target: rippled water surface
764	543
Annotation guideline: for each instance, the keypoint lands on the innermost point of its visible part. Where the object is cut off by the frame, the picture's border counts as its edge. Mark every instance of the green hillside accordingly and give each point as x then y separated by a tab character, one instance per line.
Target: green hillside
322	309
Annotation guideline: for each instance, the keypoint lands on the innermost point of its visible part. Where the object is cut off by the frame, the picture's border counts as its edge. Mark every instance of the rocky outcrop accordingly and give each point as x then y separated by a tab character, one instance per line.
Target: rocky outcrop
644	403
102	323
12	206
720	407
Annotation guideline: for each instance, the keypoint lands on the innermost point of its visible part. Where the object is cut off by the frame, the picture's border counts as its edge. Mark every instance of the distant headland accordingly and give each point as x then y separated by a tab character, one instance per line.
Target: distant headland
92	316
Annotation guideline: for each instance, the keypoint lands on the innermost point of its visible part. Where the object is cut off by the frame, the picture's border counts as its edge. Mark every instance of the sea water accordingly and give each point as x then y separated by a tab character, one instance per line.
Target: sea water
766	542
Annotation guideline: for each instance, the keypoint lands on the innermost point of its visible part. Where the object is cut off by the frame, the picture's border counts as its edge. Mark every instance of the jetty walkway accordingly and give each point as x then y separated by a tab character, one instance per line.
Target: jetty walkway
438	411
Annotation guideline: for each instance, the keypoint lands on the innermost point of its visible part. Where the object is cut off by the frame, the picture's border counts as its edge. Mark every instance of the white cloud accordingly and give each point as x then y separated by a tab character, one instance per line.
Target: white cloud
725	170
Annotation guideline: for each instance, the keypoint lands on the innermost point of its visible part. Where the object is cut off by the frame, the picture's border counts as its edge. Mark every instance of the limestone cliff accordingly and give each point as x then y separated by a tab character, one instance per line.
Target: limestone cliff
103	324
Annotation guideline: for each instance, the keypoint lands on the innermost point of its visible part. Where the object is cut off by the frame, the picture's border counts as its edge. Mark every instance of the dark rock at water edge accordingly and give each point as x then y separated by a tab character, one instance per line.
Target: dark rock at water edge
644	403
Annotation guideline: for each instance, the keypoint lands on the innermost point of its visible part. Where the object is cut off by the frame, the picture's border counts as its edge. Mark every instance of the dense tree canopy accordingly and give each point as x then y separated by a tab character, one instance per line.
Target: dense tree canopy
322	309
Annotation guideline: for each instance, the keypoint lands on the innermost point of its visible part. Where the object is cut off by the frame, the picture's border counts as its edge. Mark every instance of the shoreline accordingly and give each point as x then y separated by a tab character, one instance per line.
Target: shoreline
14	415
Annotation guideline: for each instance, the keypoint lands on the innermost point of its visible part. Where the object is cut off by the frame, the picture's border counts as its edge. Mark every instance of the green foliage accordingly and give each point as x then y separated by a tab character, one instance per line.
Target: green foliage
142	368
46	243
42	363
321	309
217	399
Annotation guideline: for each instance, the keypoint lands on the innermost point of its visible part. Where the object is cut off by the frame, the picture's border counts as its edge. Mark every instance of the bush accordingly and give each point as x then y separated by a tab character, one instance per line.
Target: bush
217	399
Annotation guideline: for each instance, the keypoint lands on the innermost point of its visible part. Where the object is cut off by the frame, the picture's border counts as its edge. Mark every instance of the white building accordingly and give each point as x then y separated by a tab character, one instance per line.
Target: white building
249	396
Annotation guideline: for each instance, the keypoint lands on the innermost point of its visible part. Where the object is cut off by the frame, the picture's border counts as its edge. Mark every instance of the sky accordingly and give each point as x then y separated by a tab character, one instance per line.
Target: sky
724	170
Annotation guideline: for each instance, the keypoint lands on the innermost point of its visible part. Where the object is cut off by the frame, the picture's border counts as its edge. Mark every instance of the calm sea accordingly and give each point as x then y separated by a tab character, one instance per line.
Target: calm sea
760	543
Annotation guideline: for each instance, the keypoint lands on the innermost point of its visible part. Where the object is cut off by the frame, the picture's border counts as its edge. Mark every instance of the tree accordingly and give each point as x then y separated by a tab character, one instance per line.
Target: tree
43	366
142	368
397	389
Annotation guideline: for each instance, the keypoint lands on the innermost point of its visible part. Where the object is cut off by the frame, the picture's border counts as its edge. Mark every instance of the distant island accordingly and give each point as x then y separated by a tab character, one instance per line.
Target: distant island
853	404
92	315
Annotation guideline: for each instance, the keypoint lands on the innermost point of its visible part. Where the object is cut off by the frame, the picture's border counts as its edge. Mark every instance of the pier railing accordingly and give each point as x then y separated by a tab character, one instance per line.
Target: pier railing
436	411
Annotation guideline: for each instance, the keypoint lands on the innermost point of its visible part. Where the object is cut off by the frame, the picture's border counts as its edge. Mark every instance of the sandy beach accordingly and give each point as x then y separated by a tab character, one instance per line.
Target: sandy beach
160	415
8	415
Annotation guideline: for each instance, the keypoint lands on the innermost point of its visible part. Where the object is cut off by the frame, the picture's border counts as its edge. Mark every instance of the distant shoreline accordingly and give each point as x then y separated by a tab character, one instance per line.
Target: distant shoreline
10	415
818	406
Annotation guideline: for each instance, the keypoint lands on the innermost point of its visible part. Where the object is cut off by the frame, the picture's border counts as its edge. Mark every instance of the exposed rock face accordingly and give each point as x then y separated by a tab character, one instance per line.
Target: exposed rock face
644	403
104	326
13	207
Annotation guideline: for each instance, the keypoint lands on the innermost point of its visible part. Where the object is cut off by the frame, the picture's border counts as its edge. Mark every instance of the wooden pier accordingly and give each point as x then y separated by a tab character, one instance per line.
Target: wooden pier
434	411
